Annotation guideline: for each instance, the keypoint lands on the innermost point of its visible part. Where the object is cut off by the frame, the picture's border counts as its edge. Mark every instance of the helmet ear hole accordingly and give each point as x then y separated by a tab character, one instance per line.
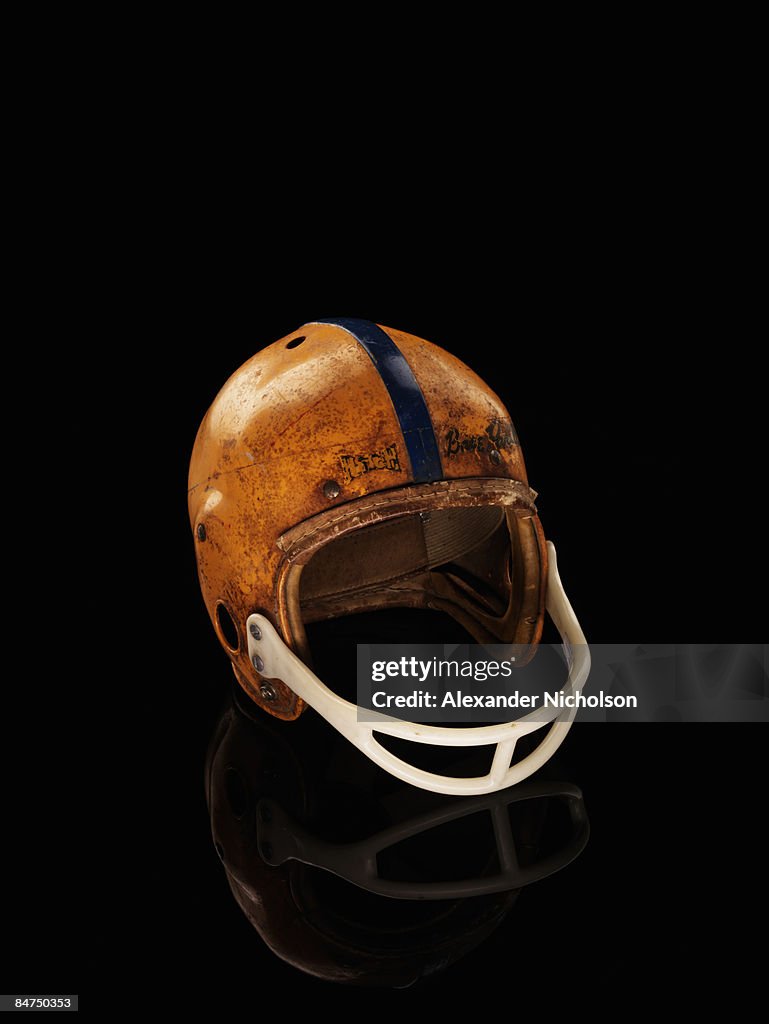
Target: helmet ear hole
226	628
295	341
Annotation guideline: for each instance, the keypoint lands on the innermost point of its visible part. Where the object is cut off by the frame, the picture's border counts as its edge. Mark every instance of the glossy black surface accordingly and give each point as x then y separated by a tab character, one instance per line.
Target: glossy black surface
645	451
354	877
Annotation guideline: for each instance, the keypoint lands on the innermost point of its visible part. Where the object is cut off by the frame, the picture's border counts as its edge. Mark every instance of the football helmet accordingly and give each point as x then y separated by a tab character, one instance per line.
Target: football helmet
349	468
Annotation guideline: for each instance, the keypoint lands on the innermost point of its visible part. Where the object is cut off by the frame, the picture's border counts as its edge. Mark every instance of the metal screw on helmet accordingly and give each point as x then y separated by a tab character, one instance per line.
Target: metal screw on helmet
257	663
267	691
256	633
495	457
331	489
201	531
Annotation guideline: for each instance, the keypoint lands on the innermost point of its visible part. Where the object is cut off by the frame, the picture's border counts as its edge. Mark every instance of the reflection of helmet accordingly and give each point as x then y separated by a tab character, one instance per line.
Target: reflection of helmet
297	815
348	468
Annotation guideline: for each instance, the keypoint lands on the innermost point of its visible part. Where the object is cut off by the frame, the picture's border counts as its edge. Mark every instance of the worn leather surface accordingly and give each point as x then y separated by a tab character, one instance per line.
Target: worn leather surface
302	445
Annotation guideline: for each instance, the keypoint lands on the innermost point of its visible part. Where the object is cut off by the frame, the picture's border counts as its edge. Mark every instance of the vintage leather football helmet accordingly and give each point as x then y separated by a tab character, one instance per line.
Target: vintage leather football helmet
348	468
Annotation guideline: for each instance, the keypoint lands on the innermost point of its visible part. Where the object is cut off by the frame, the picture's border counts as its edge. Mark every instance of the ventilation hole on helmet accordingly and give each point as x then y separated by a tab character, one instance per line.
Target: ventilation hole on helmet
295	341
228	631
219	851
237	792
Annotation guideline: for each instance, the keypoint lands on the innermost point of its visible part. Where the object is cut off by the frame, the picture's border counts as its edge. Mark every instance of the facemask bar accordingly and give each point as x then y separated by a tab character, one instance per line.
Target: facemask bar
266	647
357	862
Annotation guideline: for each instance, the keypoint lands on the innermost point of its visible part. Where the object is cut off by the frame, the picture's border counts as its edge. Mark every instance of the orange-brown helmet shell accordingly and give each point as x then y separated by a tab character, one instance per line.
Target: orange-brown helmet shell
302	436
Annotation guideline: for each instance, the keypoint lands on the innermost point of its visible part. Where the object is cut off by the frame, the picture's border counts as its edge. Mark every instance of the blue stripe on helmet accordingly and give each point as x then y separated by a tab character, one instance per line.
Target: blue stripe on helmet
405	393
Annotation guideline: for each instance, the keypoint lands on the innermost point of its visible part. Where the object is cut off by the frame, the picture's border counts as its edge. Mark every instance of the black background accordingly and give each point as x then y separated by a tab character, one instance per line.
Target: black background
626	368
